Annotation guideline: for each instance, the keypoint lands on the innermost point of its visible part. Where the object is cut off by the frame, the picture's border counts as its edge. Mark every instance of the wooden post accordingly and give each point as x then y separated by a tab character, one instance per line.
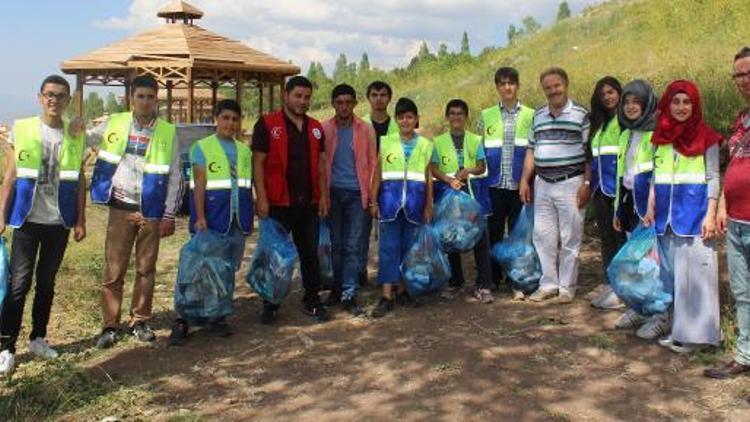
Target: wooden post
214	95
79	94
238	90
169	102
127	95
260	98
191	97
271	97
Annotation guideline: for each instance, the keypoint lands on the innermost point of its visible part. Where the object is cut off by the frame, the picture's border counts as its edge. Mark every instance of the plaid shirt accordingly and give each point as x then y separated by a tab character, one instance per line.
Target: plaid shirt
509	137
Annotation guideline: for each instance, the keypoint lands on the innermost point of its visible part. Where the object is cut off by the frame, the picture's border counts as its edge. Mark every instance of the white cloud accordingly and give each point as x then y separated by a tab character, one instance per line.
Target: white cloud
390	31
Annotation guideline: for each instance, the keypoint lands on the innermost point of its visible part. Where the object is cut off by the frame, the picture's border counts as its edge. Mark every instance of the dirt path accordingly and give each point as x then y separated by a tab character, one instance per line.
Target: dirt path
448	359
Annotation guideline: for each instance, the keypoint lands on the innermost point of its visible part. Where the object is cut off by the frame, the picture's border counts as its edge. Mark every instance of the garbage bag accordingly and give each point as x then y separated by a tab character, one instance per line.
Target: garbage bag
325	255
273	263
205	277
4	272
634	274
458	221
517	256
425	268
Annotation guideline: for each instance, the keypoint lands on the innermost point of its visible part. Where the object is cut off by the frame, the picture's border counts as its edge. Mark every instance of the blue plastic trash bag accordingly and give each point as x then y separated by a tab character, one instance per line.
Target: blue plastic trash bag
274	259
325	255
426	268
517	256
205	277
634	274
4	272
458	222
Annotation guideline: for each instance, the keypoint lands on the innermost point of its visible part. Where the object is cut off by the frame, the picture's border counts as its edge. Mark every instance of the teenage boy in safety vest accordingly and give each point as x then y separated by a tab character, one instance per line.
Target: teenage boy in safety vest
289	175
458	162
505	129
43	196
379	95
137	175
403	186
221	198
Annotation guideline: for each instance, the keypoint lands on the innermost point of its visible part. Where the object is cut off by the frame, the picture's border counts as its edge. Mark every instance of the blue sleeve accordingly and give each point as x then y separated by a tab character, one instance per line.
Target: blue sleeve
197	157
480	153
435	156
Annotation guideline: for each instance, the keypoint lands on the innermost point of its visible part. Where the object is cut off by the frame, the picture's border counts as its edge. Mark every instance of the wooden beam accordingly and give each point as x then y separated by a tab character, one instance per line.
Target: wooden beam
78	100
271	98
191	98
238	88
169	101
214	94
260	98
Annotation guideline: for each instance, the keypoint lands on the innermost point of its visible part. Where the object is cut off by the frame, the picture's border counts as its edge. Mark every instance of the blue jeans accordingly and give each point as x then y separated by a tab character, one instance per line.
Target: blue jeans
347	227
394	241
738	257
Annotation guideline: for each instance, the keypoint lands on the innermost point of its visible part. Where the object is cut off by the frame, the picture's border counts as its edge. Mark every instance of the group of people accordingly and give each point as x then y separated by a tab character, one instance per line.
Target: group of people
643	160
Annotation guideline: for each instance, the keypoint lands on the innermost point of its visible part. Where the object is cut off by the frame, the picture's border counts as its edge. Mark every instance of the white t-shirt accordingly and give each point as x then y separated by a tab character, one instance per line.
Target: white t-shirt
628	178
44	209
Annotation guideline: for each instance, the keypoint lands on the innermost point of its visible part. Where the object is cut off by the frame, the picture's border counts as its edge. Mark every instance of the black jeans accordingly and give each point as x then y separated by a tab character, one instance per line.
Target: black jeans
506	205
482	260
302	222
611	240
49	241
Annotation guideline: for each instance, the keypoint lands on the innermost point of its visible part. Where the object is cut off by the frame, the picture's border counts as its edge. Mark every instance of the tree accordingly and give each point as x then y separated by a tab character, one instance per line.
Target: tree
364	64
341	70
513	33
563	12
93	107
112	105
530	25
465	50
442	51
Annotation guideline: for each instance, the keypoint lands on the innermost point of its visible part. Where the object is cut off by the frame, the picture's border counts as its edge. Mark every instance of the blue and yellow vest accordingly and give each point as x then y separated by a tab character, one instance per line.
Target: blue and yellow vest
494	132
681	191
402	185
605	148
644	166
448	155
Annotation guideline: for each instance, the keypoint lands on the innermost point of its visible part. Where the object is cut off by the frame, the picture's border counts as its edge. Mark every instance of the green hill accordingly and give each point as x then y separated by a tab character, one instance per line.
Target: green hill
657	40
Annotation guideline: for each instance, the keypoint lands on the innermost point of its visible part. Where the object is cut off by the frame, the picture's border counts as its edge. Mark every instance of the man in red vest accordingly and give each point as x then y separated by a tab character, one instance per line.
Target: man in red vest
289	177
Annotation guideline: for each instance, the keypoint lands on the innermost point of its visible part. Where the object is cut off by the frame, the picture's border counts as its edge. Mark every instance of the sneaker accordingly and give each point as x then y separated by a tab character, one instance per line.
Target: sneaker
7	363
611	301
107	338
382	308
39	347
351	306
565	297
518	295
604	291
333	299
142	332
484	296
403	298
541	295
268	315
179	334
657	326
679	347
630	319
317	311
220	328
666	342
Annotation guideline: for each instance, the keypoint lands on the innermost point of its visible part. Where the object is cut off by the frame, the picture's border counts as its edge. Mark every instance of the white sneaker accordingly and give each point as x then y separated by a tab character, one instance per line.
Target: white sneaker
7	363
605	290
666	342
541	295
565	297
518	295
630	319
611	301
657	326
39	347
678	347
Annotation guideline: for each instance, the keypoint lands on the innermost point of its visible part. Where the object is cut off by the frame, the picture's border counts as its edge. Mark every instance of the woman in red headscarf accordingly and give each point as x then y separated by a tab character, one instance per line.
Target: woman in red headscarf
682	208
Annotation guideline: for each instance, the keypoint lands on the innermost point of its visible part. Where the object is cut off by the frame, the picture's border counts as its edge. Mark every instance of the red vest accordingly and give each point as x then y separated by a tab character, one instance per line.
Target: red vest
277	159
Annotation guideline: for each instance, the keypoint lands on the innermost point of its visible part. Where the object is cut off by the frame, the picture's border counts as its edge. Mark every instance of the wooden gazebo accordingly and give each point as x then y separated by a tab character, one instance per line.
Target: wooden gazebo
182	56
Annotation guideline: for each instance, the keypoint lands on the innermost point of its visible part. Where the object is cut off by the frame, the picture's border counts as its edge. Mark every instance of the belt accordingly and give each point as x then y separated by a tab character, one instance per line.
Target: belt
562	178
120	205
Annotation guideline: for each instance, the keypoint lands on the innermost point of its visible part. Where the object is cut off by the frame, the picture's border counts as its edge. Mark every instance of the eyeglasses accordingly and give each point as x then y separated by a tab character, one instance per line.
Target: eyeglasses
741	75
52	96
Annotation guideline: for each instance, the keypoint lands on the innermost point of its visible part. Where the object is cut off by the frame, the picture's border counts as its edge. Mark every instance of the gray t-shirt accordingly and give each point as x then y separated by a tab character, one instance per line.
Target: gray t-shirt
44	209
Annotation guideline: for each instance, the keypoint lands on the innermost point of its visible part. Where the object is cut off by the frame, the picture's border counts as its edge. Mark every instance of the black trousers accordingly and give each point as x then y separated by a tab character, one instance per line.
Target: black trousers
482	260
302	222
49	242
611	240
506	205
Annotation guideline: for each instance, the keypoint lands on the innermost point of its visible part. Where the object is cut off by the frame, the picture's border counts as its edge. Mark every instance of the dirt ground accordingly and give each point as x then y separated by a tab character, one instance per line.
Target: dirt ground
448	359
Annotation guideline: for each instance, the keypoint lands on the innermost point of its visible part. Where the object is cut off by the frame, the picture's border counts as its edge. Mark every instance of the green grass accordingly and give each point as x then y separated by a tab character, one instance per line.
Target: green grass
602	342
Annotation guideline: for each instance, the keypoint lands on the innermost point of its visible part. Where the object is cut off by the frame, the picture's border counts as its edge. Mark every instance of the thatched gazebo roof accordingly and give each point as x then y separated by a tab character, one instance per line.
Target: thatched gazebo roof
181	54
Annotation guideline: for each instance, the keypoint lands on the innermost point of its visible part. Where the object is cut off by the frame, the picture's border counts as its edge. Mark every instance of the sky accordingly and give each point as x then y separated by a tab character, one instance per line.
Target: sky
37	35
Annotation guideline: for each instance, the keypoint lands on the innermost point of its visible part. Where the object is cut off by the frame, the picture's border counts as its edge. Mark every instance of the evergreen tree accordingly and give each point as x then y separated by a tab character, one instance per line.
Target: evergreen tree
563	12
364	64
112	105
465	50
530	25
93	107
341	70
442	51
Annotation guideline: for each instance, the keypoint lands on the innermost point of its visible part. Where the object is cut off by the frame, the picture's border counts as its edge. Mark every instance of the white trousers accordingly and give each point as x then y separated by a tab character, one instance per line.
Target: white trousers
558	231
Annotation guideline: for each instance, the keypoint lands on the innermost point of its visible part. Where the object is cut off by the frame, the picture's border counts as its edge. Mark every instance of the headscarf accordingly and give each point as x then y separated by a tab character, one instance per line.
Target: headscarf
600	116
644	94
690	138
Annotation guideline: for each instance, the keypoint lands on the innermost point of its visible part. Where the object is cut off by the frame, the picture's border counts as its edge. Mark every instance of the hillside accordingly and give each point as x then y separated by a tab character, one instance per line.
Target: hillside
658	40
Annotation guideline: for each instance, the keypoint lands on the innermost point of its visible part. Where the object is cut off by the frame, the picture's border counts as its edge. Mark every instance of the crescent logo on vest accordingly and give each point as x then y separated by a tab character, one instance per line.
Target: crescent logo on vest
211	167
23	155
491	130
444	159
112	138
276	132
390	158
316	133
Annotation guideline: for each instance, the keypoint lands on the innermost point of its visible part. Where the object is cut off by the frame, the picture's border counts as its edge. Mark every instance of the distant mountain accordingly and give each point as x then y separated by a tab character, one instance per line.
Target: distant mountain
13	107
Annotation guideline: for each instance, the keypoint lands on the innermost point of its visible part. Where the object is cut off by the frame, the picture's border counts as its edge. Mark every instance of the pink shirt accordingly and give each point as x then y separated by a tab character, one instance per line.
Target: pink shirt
365	156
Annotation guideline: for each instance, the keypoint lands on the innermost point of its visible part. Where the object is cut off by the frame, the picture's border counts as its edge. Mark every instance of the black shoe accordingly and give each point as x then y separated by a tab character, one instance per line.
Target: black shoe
333	299
179	334
383	307
362	280
268	315
351	306
404	299
220	328
317	311
107	338
142	332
